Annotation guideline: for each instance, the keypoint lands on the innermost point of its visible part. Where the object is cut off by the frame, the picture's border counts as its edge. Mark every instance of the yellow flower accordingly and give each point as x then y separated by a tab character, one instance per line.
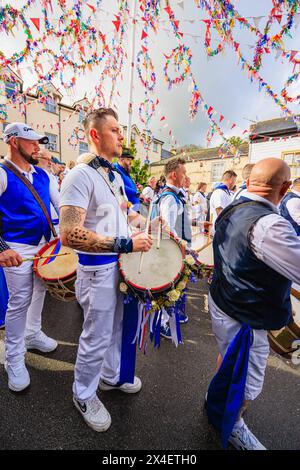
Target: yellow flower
190	260
173	295
181	285
123	287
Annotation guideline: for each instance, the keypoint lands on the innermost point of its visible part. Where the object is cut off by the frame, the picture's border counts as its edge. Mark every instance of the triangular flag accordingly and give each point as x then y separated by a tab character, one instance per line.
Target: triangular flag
221	118
257	21
233	125
92	8
168	10
144	35
117	24
144	49
176	23
292	55
278	18
36	22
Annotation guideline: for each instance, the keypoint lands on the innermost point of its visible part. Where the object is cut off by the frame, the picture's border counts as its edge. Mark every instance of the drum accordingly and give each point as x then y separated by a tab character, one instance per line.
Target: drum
284	341
57	272
161	269
205	261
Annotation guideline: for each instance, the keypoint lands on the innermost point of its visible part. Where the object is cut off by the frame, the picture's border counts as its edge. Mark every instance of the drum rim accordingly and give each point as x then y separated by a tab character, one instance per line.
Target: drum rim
35	263
164	286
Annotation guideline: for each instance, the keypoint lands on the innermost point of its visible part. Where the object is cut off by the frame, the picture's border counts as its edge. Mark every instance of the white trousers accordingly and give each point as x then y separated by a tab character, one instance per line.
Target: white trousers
25	305
99	350
225	329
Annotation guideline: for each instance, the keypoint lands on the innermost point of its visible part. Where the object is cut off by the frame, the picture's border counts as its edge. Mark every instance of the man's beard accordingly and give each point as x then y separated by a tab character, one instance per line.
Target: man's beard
26	156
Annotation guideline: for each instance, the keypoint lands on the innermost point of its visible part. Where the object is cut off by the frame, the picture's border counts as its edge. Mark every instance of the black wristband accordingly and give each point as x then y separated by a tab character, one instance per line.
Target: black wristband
123	245
3	245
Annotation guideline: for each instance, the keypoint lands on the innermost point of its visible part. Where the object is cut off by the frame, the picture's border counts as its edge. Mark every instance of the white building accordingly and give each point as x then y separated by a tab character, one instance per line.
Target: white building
278	138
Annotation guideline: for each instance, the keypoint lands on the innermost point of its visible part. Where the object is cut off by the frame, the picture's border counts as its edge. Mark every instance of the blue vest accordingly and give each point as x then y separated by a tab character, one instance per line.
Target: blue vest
285	213
130	186
21	217
244	287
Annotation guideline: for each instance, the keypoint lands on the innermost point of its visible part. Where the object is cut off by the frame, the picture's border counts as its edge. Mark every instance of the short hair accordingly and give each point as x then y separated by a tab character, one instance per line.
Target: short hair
296	182
96	117
173	165
200	185
247	170
228	174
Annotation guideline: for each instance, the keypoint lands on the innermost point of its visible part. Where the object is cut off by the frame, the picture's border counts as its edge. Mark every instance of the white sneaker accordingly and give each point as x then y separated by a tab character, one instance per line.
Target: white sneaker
243	439
41	342
18	377
126	387
94	413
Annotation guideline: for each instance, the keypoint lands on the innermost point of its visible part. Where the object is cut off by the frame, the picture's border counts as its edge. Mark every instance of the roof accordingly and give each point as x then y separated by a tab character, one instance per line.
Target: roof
273	127
202	154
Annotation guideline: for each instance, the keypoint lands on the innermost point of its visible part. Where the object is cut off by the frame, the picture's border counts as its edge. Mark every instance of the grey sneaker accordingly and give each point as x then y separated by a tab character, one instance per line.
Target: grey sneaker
94	413
243	439
18	376
41	342
125	387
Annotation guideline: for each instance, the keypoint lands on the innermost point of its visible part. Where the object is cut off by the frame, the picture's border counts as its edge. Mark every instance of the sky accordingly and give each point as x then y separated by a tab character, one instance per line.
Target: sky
222	83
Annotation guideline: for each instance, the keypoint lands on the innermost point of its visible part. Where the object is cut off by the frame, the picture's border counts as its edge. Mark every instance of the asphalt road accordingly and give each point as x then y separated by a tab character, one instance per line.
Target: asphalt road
168	412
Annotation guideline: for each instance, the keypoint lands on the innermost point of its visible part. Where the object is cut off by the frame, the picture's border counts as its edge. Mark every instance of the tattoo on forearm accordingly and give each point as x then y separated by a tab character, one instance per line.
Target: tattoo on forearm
78	237
86	240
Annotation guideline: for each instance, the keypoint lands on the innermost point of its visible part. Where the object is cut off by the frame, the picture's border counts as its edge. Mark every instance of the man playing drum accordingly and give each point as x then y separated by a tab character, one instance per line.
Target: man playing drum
94	220
24	230
256	255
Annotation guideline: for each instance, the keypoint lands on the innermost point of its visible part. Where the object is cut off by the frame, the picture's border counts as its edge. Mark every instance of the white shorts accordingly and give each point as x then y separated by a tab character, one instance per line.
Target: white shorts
225	328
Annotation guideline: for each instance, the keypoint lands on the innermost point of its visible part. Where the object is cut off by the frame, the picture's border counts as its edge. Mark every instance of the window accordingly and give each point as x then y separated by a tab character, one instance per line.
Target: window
52	144
217	171
154	146
10	88
133	137
51	105
81	115
83	147
293	160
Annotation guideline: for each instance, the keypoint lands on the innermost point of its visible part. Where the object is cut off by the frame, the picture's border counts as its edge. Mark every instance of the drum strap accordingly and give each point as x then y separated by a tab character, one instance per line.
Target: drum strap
35	194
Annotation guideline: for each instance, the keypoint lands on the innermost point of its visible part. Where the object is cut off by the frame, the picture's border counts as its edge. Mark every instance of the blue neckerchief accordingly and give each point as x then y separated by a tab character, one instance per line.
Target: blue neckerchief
99	161
226	391
223	187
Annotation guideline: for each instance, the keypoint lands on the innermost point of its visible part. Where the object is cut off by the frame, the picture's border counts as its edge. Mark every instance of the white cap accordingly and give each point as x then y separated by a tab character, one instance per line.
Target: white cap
20	129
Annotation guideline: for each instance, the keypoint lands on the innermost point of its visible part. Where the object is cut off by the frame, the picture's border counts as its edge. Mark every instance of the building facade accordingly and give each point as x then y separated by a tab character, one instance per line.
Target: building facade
63	124
277	138
206	165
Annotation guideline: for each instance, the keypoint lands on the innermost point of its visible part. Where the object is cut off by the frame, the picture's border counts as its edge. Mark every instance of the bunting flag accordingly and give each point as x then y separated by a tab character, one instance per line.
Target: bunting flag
36	22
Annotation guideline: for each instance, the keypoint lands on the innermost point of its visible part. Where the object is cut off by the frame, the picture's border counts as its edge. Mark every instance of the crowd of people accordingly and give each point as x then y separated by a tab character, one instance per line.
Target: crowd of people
96	207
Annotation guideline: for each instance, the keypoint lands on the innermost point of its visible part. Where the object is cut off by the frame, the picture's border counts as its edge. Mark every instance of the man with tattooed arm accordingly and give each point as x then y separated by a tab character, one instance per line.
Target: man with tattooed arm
94	220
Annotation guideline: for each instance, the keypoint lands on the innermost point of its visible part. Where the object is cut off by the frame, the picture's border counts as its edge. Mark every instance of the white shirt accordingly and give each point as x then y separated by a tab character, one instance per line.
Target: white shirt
54	199
293	206
170	210
199	206
219	198
84	187
274	241
148	193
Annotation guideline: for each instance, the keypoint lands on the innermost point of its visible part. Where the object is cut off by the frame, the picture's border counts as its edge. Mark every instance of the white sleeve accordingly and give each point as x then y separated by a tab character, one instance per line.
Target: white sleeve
76	189
169	211
221	199
274	241
293	206
148	193
54	194
3	181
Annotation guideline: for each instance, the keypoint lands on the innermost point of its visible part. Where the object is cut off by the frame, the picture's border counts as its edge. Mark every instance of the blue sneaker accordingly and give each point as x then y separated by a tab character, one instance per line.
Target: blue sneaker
183	318
165	331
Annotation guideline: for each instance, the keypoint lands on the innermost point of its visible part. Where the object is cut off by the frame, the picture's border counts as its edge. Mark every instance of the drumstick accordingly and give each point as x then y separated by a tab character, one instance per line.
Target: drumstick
158	235
43	257
146	231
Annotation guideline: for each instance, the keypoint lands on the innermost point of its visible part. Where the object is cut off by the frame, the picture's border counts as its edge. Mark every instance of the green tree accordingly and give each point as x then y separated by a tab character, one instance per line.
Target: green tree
139	172
235	141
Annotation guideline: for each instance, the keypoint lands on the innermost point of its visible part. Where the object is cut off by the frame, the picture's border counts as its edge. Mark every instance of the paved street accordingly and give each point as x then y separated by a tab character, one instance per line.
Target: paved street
167	414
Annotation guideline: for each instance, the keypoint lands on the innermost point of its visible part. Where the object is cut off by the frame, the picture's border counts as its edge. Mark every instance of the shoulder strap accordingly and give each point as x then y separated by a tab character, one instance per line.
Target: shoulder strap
35	194
169	193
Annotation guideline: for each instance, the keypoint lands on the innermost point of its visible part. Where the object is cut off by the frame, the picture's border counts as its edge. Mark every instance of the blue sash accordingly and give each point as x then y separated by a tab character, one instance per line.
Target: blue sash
226	391
3	297
128	348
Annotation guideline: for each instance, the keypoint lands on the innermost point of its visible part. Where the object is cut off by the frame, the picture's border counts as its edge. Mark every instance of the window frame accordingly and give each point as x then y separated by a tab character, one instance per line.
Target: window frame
50	142
49	105
221	165
295	165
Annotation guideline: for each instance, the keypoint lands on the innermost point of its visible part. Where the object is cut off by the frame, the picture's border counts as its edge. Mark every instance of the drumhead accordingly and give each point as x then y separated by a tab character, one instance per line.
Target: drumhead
59	267
160	267
206	255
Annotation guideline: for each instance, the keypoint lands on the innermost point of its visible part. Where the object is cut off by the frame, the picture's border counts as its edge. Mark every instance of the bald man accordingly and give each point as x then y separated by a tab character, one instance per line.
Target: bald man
290	206
257	255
